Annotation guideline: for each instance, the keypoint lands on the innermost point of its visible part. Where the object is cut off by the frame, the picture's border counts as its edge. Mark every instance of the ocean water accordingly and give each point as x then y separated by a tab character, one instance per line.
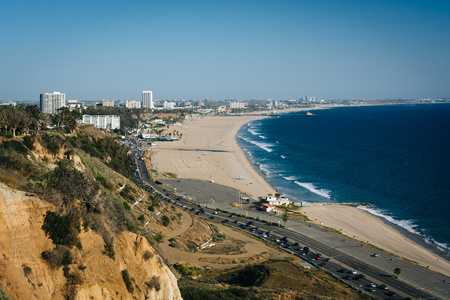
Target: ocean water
395	157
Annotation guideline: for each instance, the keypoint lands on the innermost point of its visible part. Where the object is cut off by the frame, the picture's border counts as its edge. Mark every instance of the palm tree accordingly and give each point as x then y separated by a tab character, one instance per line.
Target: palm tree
397	271
285	218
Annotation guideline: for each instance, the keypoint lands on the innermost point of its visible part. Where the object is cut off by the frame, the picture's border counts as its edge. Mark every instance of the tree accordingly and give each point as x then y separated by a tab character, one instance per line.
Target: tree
277	195
285	217
397	271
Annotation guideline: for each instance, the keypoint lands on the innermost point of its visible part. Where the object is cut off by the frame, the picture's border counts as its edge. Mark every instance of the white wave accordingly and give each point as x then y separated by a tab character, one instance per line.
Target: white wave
290	178
405	224
264	146
264	170
252	131
310	187
283	157
263	137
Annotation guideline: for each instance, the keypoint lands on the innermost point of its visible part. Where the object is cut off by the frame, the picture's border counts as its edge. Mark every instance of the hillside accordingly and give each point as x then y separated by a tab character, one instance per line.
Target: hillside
66	230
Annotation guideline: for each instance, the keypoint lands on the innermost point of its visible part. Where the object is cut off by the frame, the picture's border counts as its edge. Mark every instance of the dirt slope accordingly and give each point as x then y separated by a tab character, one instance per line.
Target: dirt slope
24	275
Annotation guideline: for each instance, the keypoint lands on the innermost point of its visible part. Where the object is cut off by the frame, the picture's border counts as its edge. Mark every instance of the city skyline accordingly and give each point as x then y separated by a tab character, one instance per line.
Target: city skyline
234	50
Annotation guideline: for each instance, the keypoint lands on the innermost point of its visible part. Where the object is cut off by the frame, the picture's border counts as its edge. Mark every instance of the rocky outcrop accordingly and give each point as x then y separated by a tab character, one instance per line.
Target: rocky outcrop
92	275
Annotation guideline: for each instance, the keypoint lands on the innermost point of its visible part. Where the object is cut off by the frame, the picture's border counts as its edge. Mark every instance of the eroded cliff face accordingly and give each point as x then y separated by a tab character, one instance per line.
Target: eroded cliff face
92	275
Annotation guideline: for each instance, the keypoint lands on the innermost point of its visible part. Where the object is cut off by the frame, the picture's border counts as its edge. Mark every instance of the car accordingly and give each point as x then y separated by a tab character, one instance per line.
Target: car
225	221
306	249
391	294
371	289
372	285
296	244
383	286
323	264
353	272
342	270
236	221
347	277
376	254
231	216
212	217
327	259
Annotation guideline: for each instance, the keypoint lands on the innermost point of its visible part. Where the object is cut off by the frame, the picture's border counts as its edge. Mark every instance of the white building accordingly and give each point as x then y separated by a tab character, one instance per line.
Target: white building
169	105
101	121
147	99
277	201
236	104
51	102
108	103
133	104
74	104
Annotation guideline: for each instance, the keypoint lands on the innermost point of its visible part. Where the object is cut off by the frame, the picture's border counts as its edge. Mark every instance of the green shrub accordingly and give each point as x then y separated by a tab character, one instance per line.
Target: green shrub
154	283
192	247
219	237
165	220
127	280
109	250
159	237
126	205
62	230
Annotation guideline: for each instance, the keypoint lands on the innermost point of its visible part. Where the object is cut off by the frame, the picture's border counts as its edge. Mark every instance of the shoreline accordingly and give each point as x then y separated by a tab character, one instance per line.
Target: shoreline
207	134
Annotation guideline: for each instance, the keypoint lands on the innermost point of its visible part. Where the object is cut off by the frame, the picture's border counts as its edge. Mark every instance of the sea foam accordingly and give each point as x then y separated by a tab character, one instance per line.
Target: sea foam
310	187
264	146
407	225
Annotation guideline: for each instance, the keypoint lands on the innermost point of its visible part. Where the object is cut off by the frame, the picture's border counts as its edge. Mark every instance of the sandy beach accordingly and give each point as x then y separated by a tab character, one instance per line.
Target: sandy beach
208	150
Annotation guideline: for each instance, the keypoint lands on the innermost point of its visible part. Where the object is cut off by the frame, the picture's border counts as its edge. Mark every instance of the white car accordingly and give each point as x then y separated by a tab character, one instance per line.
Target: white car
372	285
376	254
353	272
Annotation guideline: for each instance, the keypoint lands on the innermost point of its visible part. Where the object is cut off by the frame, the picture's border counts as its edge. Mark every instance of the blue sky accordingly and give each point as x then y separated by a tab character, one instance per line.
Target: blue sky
93	50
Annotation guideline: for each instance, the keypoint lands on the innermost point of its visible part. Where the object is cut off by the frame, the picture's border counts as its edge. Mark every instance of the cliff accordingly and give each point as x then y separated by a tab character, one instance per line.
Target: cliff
91	275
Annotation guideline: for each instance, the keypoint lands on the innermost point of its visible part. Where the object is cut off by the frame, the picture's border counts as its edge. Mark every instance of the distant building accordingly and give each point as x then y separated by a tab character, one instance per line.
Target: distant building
74	104
133	104
108	103
101	121
147	99
51	102
8	103
236	104
169	105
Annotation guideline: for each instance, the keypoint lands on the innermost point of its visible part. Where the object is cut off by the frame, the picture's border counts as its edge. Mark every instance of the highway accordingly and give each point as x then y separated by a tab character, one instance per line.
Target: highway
343	253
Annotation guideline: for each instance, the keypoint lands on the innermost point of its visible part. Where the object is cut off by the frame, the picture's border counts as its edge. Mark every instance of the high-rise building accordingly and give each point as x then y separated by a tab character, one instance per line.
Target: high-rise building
147	99
51	102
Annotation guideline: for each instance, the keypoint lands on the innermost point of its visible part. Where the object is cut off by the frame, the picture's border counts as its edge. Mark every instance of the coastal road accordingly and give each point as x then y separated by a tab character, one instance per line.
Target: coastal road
415	281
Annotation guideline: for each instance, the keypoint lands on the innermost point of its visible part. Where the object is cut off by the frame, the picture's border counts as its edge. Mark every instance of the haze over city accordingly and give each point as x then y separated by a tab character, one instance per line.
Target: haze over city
228	49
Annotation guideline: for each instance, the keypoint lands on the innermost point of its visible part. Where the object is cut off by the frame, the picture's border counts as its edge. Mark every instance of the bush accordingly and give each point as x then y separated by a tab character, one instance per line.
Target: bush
109	250
192	246
154	283
60	256
62	230
126	205
141	218
165	220
219	237
159	237
147	255
127	280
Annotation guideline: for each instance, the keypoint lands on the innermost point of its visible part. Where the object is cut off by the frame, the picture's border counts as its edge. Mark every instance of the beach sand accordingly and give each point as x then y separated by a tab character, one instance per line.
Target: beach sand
208	150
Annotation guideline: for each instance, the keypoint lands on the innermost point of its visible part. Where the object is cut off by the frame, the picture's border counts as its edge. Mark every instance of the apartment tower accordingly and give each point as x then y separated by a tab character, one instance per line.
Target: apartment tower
147	99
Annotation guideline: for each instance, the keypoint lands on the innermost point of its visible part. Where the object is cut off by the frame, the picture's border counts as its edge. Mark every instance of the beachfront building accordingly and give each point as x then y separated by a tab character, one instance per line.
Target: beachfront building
51	102
277	201
133	104
101	121
147	99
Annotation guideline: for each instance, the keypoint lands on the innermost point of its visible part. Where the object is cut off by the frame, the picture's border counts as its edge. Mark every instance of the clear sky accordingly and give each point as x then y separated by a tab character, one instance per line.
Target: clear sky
244	49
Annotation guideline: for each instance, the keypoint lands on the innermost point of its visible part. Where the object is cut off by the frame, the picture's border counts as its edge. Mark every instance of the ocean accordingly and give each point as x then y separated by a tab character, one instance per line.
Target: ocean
396	157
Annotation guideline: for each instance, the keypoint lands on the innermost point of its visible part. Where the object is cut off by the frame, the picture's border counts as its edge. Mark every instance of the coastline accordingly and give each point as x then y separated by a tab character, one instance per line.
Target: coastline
209	151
